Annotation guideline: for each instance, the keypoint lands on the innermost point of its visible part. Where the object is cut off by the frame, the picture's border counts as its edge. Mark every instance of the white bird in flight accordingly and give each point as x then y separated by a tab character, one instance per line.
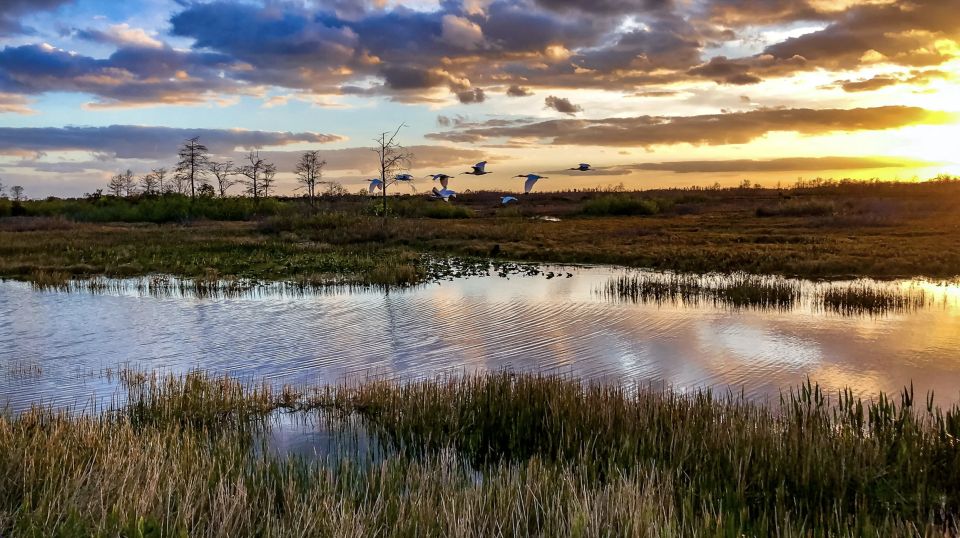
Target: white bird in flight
375	184
531	181
479	169
507	199
582	167
444	179
444	194
403	177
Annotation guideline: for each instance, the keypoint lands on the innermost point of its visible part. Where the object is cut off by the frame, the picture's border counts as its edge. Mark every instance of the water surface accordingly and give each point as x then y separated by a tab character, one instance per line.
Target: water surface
55	346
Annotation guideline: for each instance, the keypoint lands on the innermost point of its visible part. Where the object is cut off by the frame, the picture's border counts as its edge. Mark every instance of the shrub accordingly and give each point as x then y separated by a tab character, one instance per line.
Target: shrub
797	208
620	204
156	209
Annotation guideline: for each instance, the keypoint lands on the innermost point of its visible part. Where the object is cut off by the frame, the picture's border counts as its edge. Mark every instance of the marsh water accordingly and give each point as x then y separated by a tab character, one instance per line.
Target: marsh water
55	346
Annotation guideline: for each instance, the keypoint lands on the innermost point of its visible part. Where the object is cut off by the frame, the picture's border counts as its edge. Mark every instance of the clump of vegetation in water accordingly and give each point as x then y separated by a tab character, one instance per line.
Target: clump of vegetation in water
863	298
495	454
737	290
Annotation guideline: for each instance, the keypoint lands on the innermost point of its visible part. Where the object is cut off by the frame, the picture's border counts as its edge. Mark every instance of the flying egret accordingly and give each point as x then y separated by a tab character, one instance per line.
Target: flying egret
479	169
507	199
375	184
582	167
403	177
531	181
444	194
444	179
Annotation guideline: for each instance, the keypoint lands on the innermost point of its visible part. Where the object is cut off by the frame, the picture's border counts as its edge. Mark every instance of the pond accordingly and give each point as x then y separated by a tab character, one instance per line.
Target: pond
55	346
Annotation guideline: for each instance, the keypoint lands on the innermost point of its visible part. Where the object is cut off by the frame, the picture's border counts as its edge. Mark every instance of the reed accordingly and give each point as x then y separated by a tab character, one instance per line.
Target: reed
737	290
864	298
489	455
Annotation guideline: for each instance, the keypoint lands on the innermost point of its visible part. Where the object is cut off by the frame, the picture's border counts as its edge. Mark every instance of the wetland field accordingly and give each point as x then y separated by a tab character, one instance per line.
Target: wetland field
700	362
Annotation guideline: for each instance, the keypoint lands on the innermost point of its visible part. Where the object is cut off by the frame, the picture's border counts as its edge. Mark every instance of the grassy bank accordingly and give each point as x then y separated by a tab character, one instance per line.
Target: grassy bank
836	231
496	455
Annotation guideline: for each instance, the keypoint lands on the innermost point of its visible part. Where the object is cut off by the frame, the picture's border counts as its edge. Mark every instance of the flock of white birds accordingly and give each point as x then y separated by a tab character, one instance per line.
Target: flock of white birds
480	169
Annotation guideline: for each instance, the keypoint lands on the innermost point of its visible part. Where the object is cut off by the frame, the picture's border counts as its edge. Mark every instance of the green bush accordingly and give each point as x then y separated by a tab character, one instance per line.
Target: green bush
620	204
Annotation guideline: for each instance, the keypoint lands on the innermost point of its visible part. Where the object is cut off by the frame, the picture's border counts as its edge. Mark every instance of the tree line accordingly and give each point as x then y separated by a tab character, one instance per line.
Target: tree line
197	174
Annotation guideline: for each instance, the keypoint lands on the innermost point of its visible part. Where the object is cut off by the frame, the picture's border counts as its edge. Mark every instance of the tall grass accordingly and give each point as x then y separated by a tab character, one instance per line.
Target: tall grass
490	455
737	290
864	298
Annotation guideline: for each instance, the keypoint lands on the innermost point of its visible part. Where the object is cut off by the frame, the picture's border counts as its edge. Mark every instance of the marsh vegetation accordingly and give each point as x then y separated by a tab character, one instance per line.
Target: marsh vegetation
498	454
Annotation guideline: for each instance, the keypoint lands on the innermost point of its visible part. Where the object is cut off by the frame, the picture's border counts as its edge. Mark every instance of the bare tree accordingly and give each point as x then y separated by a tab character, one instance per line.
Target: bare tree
194	157
224	173
161	175
115	186
392	158
129	183
259	175
269	171
310	172
253	173
179	185
335	188
149	184
16	192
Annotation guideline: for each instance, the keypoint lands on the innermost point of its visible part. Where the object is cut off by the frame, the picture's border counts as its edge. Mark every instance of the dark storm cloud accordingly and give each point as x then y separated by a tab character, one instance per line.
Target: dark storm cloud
708	129
562	105
137	142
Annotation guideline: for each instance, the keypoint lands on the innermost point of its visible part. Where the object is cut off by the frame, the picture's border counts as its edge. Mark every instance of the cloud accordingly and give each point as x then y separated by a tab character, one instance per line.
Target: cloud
360	160
122	35
15	104
786	164
376	48
562	104
707	129
915	77
461	32
129	76
11	12
139	142
475	95
518	91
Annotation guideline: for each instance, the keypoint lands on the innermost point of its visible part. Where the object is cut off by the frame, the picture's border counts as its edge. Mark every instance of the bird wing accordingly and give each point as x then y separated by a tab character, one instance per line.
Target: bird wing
444	181
529	183
374	185
479	167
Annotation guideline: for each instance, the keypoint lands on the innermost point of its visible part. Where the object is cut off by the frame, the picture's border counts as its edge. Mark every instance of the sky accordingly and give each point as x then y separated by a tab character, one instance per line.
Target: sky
652	93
